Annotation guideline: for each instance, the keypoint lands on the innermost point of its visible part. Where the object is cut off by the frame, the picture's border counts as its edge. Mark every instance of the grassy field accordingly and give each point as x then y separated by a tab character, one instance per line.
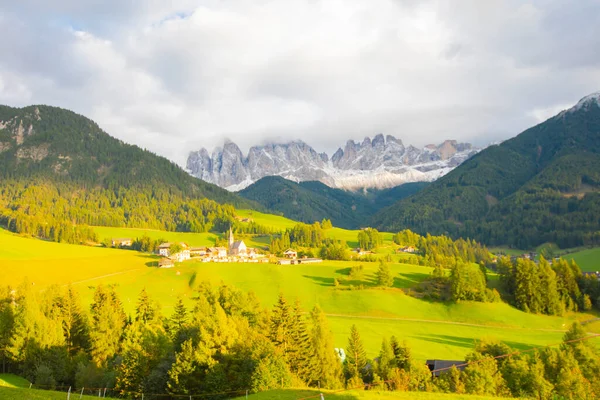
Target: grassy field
13	381
431	329
44	263
34	394
362	394
588	260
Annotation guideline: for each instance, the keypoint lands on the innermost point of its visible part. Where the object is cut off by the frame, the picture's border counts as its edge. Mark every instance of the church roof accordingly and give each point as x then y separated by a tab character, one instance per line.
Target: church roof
238	244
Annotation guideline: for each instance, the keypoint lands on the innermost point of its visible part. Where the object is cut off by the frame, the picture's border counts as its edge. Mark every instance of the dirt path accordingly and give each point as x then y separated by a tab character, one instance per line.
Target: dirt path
433	321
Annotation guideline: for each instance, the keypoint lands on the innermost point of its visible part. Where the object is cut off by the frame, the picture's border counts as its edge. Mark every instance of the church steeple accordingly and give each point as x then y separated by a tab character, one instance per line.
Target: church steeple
230	237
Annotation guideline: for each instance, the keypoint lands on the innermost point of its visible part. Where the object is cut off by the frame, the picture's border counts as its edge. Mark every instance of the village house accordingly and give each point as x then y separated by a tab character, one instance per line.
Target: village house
408	249
197	251
165	263
217	252
289	253
438	367
164	249
121	242
285	261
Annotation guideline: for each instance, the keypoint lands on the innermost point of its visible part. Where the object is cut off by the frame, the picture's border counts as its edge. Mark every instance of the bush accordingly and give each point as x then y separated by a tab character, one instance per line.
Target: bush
44	377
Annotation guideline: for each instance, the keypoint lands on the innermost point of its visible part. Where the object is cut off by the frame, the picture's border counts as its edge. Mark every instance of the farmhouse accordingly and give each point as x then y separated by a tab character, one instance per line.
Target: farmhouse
284	261
217	252
408	249
197	251
289	253
438	367
165	250
165	263
121	242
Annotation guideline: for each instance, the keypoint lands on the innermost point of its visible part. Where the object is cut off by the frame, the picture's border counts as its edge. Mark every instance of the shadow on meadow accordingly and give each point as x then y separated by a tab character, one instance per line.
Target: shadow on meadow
409	280
456	341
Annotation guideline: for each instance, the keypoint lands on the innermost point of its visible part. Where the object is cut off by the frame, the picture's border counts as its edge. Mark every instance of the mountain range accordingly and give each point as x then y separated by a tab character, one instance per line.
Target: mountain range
381	162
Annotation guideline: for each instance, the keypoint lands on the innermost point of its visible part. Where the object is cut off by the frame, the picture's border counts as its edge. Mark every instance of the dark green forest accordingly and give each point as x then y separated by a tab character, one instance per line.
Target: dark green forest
313	201
541	186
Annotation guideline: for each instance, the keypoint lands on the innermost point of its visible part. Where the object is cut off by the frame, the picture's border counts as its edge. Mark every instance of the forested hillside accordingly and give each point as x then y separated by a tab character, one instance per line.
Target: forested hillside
541	186
314	201
60	172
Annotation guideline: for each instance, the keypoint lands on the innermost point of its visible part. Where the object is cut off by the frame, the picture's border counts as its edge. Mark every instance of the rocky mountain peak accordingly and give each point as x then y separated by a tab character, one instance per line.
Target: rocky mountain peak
381	161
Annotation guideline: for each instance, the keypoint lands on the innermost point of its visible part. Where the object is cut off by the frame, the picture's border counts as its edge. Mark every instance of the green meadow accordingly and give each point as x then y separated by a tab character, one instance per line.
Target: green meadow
432	329
588	260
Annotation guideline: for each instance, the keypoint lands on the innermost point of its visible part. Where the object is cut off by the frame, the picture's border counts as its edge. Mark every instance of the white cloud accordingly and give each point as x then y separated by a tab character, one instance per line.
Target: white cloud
176	76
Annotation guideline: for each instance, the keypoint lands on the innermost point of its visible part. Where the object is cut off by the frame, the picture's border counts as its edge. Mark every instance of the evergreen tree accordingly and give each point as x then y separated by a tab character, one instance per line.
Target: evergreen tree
282	326
384	275
356	357
328	368
108	324
179	318
386	360
146	310
402	356
301	355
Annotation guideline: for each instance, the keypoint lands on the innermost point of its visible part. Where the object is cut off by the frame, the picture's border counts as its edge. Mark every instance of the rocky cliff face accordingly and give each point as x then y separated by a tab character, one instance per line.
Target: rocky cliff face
380	162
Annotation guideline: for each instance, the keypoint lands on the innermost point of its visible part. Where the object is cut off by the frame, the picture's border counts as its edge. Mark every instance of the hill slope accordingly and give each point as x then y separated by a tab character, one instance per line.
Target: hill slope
56	144
541	186
313	201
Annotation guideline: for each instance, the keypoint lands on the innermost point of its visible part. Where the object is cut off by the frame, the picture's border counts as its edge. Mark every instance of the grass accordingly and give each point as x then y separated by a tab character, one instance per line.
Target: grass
588	260
13	381
292	394
34	394
44	263
431	329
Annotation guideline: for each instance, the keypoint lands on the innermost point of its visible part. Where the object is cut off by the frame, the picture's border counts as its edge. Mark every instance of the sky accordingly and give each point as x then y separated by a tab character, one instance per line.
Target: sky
176	76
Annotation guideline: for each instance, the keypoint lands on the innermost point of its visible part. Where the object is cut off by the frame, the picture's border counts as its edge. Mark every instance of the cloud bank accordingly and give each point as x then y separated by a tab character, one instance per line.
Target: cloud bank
176	76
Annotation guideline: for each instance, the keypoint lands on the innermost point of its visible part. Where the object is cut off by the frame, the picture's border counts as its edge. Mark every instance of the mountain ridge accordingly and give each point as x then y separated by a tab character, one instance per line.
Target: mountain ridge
381	162
523	192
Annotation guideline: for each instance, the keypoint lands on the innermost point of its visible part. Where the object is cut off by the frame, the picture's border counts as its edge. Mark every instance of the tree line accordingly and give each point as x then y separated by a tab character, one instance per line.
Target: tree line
227	342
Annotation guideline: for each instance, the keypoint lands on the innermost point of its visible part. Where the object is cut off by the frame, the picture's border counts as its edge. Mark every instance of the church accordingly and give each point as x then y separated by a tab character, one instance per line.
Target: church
237	248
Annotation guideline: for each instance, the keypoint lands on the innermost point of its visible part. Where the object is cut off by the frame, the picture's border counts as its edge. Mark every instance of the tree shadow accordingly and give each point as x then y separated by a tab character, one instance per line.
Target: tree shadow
409	280
320	280
456	341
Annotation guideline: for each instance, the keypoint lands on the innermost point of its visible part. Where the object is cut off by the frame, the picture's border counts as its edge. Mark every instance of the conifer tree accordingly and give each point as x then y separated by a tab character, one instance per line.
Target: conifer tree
384	275
301	354
328	368
146	311
281	325
179	317
356	357
386	359
108	323
402	355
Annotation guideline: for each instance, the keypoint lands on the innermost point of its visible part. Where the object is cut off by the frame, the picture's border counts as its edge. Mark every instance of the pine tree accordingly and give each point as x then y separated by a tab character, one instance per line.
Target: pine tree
281	325
384	275
179	318
402	356
328	368
356	358
301	353
386	360
146	311
108	323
